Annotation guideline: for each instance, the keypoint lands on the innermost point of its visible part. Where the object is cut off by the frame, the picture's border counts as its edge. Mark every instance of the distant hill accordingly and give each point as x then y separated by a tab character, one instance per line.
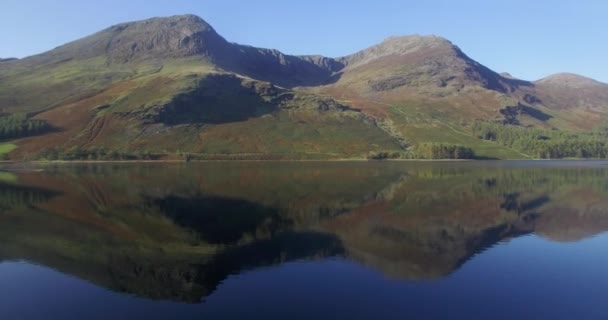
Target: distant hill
570	91
164	87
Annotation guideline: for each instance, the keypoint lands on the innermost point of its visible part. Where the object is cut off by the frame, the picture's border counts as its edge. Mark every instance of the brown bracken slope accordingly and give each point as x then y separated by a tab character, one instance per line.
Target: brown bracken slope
172	85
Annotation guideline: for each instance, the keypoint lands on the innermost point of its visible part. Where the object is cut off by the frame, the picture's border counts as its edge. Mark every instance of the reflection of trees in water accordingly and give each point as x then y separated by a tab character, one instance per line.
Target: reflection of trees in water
13	196
513	202
434	188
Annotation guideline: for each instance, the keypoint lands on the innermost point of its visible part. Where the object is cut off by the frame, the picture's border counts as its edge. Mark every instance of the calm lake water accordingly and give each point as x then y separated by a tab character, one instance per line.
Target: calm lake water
309	240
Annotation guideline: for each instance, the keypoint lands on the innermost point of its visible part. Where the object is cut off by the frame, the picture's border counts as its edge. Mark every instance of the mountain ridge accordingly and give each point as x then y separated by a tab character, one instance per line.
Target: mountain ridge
413	89
194	19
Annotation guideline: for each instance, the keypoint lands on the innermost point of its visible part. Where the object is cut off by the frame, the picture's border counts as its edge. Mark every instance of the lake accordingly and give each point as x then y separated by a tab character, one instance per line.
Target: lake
305	240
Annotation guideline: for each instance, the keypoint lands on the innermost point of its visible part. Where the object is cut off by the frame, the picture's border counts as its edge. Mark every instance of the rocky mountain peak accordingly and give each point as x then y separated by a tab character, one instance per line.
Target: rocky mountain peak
175	36
183	35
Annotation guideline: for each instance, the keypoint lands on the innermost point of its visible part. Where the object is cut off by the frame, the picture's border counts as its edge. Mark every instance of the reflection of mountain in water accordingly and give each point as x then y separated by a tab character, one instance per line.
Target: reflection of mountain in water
221	220
176	232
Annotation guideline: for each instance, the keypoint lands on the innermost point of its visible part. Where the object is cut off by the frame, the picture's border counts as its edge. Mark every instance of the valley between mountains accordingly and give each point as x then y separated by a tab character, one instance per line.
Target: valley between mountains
173	88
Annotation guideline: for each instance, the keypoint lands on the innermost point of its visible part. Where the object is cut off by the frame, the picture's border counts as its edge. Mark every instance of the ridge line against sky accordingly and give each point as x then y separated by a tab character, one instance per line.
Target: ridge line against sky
528	39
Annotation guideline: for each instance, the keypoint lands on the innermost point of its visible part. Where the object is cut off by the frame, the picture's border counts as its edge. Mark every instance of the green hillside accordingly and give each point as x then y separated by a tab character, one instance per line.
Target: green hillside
169	88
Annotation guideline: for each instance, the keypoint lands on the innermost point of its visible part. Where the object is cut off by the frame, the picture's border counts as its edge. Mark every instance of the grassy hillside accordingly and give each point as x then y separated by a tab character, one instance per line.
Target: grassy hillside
166	87
188	106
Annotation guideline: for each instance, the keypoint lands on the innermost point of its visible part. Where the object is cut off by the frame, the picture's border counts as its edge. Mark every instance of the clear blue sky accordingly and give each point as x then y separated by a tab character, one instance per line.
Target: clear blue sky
528	38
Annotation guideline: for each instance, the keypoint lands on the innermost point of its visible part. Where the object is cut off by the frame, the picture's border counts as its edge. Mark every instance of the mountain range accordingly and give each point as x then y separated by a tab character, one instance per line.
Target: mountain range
166	87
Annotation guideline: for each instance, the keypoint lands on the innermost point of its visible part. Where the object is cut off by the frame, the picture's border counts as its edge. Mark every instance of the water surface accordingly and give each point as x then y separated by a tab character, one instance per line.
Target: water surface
395	240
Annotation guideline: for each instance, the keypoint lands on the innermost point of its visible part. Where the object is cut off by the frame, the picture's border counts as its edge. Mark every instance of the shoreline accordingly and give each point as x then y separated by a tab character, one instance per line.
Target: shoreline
288	160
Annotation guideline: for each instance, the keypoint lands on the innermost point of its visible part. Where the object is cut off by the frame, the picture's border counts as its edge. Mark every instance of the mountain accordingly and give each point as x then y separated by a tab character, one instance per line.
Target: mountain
166	86
574	94
421	61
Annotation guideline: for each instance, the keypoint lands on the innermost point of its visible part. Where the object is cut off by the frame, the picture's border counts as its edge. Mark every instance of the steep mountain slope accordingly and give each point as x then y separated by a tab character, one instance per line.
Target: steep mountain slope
431	92
172	85
166	86
136	49
432	68
419	62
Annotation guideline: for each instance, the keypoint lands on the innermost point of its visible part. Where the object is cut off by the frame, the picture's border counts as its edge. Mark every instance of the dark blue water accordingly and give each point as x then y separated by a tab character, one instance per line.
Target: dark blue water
302	241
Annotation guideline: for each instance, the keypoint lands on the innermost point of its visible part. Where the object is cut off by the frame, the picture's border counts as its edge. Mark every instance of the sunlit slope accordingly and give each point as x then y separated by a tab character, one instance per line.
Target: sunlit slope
165	87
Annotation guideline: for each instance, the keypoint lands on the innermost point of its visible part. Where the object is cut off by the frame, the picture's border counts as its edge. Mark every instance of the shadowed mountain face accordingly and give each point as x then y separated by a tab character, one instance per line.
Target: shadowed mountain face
177	232
171	85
